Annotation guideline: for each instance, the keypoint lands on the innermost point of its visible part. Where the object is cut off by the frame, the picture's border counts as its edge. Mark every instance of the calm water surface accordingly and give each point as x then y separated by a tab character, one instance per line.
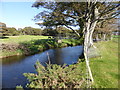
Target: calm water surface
14	67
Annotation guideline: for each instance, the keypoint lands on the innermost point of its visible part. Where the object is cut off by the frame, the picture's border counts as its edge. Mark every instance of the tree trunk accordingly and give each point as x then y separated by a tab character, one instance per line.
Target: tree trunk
92	27
86	47
97	37
89	27
88	42
111	36
104	37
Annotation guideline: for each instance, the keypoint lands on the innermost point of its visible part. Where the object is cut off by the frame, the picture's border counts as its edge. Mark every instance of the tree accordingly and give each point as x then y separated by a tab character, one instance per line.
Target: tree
3	29
58	31
85	15
37	31
49	32
30	31
105	29
11	31
63	31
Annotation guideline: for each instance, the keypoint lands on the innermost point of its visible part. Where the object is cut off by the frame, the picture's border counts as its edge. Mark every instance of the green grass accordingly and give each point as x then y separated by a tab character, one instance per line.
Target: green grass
8	53
73	42
116	36
28	44
17	40
105	69
21	38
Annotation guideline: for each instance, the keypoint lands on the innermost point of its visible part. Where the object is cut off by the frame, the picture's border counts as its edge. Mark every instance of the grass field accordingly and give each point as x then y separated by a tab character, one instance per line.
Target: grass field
15	41
105	69
21	38
28	44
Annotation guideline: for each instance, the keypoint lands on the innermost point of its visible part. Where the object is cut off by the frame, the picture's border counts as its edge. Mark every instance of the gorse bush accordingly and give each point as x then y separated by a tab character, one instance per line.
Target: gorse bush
56	76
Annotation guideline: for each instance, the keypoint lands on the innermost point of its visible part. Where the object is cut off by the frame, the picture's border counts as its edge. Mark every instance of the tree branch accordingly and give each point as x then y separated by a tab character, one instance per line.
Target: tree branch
109	10
73	30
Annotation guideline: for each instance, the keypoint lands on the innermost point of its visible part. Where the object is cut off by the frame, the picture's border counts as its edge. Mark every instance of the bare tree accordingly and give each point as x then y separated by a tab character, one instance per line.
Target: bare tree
105	29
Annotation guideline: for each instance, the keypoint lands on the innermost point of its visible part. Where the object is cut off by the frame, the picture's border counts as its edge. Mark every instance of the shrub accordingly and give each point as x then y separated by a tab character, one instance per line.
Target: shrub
56	76
19	88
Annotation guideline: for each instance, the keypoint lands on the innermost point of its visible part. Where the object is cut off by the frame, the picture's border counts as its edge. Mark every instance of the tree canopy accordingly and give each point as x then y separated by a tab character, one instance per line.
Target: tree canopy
31	31
75	13
2	29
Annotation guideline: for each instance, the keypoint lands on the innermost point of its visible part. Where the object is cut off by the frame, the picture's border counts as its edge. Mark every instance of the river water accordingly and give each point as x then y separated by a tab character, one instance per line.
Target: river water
14	67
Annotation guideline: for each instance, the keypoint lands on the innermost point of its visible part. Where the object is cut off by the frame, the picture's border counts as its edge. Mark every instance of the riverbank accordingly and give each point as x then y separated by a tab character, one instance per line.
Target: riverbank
105	69
32	45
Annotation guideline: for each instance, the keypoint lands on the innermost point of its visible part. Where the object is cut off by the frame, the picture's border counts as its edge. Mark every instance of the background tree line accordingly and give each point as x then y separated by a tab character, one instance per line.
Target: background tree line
11	31
102	31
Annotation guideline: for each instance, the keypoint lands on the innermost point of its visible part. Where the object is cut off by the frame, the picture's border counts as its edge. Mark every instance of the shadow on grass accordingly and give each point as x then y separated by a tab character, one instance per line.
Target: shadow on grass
35	46
114	75
3	37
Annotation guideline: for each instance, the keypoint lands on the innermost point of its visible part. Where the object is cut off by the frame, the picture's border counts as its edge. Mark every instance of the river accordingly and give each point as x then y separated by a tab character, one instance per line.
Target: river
14	67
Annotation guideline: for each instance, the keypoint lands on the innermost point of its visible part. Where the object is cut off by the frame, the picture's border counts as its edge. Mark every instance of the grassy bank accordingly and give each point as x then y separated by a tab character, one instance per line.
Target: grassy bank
27	45
9	45
21	38
105	69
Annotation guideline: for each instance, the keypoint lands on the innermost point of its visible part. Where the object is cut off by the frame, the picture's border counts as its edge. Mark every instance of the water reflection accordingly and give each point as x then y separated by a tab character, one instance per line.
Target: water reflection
14	67
12	60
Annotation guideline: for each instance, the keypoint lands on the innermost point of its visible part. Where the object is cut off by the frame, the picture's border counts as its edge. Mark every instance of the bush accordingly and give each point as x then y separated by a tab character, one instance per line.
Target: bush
56	76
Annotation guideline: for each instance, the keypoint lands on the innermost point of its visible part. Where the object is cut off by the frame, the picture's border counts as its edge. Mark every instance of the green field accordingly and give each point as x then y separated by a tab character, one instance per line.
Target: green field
29	44
21	38
105	69
15	41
